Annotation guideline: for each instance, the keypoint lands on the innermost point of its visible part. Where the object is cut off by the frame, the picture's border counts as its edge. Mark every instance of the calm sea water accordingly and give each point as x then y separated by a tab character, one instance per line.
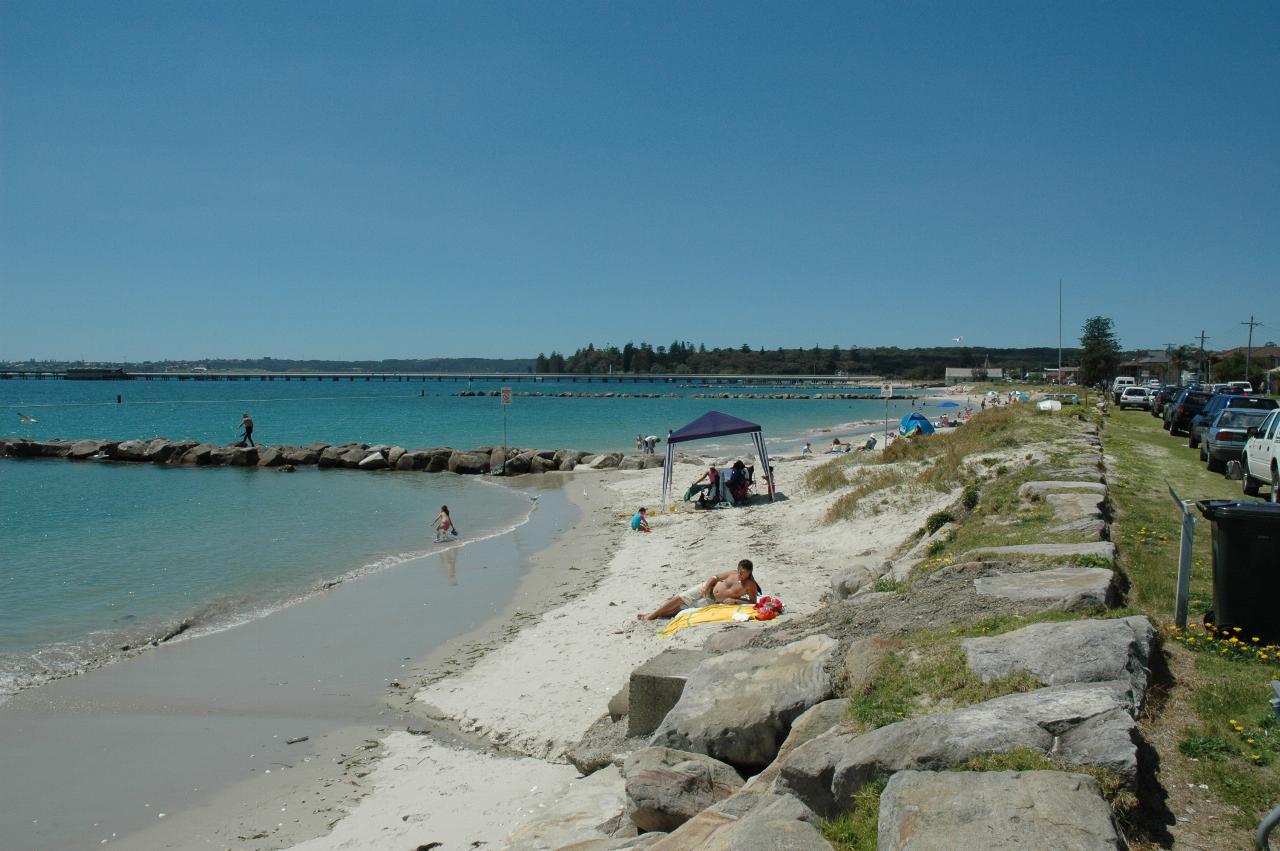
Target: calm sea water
97	556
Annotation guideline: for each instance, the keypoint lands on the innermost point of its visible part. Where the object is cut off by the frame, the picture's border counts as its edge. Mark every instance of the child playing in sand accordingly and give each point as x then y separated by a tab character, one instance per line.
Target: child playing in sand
639	522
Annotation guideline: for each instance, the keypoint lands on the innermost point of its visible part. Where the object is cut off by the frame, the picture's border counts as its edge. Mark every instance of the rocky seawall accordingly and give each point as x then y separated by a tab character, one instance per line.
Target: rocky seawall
491	460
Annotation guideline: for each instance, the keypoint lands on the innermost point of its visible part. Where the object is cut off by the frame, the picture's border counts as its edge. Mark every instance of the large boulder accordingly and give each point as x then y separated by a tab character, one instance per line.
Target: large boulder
1084	651
83	449
539	464
243	456
198	455
1083	724
1068	507
606	461
438	461
472	463
850	580
414	460
1094	551
159	451
567	459
738	707
352	457
519	463
394	454
632	462
332	456
586	812
771	822
300	455
665	788
130	450
1033	490
221	456
995	811
271	456
374	461
498	460
1067	589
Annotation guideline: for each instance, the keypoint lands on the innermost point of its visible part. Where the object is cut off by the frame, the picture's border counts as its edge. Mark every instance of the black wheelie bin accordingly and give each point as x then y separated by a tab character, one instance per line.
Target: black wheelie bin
1246	566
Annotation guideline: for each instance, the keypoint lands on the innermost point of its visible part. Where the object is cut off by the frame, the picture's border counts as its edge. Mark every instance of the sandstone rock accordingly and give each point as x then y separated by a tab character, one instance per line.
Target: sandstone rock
853	579
1068	589
733	636
197	455
221	455
538	464
1041	488
1081	651
770	822
995	811
317	447
605	743
589	809
159	451
352	457
1086	529
632	462
469	463
738	707
373	461
620	703
606	461
863	658
519	464
438	461
1084	724
83	449
655	687
498	460
1074	506
1104	550
242	456
394	454
130	450
567	459
270	456
665	787
299	455
332	455
649	462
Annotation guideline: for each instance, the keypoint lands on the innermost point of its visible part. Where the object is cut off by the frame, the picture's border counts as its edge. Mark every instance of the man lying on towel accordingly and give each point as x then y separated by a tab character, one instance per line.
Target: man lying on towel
732	586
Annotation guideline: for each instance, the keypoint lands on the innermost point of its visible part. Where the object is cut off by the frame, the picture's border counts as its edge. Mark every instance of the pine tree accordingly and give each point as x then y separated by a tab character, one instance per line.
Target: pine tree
1100	350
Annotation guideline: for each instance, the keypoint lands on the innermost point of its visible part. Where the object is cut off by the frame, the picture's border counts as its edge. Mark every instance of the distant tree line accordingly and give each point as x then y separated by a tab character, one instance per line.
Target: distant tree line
683	358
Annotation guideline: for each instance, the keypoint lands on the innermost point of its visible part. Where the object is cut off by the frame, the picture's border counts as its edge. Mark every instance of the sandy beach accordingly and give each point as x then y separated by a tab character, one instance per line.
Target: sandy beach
484	749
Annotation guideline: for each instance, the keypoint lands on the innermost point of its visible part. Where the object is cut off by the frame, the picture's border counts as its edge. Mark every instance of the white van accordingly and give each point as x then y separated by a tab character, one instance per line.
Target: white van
1118	386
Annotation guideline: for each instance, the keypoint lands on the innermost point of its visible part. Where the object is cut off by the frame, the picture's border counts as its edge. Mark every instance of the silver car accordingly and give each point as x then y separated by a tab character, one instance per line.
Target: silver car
1225	437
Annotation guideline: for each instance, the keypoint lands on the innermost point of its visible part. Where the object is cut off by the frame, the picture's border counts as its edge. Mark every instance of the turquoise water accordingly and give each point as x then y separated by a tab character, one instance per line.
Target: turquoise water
94	557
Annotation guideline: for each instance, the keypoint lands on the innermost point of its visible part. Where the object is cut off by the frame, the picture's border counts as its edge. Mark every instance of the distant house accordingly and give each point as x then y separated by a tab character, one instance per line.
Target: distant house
1267	357
1066	375
960	375
1153	364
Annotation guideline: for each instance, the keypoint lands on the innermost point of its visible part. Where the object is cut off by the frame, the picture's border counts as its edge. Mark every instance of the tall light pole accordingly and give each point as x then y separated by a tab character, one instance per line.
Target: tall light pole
1059	330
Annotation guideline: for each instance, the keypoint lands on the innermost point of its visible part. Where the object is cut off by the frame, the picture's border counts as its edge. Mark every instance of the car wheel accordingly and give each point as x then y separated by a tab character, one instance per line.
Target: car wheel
1164	425
1248	483
1191	440
1204	456
1275	483
1216	465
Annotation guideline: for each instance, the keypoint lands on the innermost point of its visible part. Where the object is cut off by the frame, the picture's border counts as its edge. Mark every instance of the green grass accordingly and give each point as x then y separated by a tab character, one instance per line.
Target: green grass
855	830
865	483
930	673
1230	691
1123	802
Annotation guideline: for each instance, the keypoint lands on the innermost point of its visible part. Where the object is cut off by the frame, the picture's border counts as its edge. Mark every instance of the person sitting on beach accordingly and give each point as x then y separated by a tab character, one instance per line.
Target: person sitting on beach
838	445
739	483
639	522
443	524
732	586
712	479
808	449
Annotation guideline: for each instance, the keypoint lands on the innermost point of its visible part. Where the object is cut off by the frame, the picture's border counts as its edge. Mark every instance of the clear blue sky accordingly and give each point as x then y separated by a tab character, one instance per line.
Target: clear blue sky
367	180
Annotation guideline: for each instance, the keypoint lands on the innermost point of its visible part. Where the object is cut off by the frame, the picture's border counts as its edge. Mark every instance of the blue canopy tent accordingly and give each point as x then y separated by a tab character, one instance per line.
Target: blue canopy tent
714	424
948	404
915	422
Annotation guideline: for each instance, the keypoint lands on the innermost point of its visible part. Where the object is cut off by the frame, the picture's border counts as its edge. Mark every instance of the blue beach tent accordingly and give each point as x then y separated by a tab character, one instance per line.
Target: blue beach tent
714	424
915	422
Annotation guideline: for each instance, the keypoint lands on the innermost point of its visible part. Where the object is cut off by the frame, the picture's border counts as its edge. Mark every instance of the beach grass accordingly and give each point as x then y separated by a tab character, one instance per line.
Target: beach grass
856	829
865	482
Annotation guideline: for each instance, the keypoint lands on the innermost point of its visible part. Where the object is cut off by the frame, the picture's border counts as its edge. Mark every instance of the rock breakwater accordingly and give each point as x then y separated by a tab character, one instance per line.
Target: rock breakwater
483	460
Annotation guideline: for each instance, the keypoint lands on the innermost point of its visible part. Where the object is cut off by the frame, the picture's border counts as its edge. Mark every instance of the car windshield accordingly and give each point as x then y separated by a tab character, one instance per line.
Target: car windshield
1241	418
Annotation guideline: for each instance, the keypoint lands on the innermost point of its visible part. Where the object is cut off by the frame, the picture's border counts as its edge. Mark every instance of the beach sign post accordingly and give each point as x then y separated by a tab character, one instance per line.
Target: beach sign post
886	393
506	400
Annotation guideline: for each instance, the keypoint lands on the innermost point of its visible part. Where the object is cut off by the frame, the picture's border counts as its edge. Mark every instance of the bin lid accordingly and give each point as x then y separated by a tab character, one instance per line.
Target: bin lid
1235	509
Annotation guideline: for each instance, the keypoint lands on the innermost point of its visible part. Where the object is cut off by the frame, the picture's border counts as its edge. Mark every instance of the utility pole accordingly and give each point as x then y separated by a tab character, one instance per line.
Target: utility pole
1248	357
1168	351
1204	377
1059	330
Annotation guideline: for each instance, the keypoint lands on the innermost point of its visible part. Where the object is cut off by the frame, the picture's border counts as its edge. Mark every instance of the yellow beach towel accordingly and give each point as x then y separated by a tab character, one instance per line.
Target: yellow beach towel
715	613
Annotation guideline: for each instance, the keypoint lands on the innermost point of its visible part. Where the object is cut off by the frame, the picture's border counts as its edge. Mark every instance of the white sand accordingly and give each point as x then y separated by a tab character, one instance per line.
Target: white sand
540	692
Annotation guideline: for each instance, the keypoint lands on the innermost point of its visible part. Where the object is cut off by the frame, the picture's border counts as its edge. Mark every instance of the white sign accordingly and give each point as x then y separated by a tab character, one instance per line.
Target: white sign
506	395
886	390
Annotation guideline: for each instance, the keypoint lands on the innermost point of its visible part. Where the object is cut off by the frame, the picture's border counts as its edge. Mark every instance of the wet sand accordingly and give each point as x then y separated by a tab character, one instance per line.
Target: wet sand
198	730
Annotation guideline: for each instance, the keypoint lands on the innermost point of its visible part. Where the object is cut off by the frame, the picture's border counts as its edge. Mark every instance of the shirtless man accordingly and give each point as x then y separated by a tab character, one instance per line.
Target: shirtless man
732	586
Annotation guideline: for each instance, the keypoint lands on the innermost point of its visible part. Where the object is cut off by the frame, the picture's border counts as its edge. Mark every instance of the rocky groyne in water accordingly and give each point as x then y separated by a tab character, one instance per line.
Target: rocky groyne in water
569	394
490	460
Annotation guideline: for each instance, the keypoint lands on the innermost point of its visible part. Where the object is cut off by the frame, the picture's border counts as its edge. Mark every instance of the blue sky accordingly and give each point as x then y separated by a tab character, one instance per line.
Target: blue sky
367	180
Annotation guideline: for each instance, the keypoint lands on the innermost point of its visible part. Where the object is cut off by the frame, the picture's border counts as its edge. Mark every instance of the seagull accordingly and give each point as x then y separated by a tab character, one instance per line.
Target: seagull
958	339
26	420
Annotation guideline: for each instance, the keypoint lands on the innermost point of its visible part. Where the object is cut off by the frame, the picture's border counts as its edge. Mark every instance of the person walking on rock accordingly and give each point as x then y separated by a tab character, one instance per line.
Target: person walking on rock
246	423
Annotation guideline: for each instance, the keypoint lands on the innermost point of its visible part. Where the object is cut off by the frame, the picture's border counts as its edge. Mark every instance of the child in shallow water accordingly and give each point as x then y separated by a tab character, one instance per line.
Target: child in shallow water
443	525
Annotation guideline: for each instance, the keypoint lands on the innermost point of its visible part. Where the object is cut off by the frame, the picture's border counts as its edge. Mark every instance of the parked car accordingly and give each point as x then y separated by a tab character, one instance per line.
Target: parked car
1118	386
1187	404
1218	402
1225	437
1134	397
1161	399
1244	388
1261	458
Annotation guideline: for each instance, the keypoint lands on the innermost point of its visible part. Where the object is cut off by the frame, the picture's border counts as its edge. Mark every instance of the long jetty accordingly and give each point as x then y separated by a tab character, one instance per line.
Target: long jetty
108	374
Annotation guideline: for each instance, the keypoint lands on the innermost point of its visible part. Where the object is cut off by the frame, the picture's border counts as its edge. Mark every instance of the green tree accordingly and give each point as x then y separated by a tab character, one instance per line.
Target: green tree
1100	350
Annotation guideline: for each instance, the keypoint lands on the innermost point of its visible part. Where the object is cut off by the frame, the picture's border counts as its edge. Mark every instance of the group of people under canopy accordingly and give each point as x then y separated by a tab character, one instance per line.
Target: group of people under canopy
717	486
